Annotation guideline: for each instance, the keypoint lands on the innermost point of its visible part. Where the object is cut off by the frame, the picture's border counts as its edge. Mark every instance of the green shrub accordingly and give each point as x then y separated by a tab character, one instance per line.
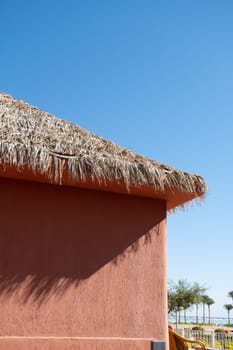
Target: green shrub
221	330
197	328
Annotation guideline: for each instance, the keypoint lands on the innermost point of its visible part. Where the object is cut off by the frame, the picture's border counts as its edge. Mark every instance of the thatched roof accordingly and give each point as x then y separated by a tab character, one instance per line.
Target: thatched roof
46	144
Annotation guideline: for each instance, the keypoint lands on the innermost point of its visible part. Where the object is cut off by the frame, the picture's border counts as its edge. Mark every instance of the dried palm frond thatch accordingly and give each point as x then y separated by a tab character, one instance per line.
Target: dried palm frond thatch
44	143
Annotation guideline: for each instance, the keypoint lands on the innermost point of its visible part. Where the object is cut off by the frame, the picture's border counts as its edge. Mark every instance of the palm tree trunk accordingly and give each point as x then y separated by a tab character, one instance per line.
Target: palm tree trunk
185	316
197	313
203	313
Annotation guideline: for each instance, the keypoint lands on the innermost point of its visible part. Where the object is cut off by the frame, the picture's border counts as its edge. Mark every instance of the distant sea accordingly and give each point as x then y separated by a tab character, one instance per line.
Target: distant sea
192	320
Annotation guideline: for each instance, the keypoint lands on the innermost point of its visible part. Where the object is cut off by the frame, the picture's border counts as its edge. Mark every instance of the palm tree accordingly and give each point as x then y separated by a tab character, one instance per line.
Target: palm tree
182	291
209	302
230	294
204	303
182	296
228	307
198	295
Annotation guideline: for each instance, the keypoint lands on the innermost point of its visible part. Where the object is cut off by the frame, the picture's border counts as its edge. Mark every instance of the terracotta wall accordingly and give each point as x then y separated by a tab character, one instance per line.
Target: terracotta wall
78	263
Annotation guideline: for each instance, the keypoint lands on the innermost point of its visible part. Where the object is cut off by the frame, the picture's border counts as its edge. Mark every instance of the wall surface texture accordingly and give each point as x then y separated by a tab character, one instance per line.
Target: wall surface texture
80	264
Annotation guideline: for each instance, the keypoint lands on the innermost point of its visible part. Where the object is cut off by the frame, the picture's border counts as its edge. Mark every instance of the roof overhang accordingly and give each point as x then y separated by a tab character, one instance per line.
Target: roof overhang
173	197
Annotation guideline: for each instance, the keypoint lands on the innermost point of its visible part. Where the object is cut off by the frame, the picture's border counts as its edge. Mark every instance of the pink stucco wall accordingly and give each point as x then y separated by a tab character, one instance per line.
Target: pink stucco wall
78	263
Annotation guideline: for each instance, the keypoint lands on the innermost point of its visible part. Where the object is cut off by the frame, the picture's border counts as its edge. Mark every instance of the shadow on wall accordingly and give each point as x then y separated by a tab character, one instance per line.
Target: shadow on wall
53	237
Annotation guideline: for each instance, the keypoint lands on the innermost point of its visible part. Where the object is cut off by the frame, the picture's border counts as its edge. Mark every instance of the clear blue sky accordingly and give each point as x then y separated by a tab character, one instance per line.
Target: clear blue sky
154	76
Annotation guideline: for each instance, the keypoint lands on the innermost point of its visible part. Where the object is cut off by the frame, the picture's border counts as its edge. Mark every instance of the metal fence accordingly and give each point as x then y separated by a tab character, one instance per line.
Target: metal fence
217	338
